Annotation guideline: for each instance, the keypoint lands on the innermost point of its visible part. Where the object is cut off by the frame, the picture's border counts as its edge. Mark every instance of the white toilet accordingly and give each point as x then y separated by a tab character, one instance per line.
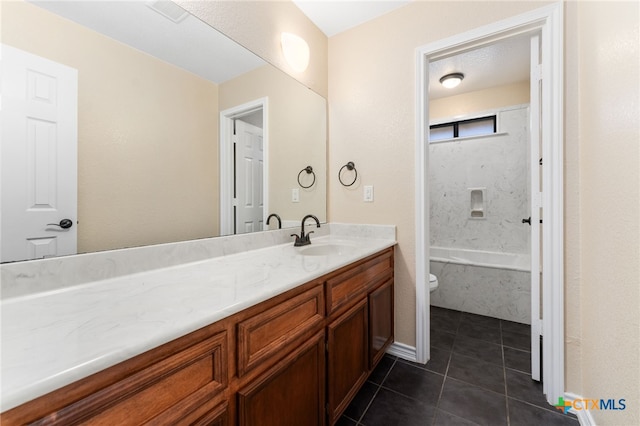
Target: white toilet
433	283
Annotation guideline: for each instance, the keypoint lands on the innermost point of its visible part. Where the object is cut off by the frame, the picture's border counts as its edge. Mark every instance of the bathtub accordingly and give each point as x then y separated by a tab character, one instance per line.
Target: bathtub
481	282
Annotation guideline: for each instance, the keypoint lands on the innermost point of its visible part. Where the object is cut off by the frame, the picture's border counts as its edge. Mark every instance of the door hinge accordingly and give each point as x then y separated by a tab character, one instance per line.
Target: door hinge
234	202
537	326
536	72
537	200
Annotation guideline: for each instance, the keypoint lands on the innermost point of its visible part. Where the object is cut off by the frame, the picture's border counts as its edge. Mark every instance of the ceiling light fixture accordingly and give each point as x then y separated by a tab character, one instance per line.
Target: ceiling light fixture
452	80
295	50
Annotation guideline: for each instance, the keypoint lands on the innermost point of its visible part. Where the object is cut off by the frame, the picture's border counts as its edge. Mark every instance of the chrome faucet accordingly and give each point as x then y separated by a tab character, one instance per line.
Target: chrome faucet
303	239
277	217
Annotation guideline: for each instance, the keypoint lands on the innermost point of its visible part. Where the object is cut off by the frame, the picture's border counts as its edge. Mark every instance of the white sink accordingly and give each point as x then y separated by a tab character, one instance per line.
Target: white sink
327	249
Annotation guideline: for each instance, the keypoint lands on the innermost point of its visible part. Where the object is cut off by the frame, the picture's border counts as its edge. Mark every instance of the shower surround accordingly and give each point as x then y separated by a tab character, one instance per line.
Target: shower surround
500	165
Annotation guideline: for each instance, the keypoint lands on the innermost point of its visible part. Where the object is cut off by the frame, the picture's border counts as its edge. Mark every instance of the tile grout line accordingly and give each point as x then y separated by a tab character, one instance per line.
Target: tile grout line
504	376
379	386
444	380
446	372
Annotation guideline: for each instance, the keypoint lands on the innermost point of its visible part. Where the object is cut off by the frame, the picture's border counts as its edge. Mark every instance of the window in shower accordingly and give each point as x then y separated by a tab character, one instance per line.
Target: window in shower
481	126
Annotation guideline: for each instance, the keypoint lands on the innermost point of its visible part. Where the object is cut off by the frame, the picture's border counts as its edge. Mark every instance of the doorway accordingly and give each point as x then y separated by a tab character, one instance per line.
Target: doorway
548	23
243	168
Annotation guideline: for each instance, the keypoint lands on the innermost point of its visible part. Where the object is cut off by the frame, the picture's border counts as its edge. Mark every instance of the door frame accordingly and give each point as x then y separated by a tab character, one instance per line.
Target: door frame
548	21
226	159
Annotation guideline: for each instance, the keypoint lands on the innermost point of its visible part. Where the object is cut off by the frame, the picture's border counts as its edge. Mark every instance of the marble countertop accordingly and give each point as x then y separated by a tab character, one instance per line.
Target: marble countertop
51	339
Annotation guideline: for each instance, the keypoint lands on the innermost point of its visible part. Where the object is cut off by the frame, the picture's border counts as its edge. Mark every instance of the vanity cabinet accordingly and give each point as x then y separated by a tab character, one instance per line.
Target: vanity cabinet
184	380
360	327
348	361
289	394
380	321
296	359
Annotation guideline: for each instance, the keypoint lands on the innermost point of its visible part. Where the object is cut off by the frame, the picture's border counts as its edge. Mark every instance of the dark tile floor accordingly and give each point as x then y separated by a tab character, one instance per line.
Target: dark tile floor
478	374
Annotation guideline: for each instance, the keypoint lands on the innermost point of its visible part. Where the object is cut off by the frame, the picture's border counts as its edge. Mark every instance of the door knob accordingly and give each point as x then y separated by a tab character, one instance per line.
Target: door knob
64	223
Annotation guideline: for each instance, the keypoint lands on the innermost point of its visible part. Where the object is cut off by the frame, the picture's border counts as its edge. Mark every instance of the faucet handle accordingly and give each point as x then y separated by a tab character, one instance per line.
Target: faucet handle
300	241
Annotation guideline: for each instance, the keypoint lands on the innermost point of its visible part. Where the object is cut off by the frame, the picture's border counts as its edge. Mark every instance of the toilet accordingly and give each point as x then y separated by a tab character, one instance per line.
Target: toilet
433	283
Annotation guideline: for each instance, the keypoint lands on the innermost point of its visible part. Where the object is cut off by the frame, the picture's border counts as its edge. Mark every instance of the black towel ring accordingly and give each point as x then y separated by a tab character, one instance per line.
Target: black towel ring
349	166
309	171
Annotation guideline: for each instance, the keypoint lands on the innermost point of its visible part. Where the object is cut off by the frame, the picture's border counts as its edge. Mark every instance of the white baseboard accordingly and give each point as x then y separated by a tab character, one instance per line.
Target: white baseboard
584	416
402	351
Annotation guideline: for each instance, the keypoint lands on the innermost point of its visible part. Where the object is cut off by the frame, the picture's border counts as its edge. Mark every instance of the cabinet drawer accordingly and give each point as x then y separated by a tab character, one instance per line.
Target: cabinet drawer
196	373
351	284
267	334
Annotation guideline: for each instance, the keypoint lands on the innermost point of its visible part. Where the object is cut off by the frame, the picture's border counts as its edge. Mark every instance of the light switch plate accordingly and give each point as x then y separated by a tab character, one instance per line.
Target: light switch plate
295	195
368	193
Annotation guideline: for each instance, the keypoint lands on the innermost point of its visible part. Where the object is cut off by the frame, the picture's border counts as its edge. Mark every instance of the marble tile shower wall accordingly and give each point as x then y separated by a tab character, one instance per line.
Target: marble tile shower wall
497	163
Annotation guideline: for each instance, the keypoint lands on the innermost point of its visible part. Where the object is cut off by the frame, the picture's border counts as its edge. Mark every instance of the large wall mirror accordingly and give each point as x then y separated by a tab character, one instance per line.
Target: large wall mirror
156	100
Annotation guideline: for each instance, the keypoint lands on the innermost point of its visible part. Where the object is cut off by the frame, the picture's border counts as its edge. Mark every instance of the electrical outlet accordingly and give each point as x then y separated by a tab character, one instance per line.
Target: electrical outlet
368	193
295	195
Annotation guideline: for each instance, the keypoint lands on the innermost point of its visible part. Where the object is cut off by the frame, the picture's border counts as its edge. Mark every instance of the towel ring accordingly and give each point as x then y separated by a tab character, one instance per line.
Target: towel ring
349	166
309	171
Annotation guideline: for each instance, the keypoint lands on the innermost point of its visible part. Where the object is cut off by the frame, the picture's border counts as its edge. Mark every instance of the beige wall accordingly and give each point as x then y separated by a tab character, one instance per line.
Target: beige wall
372	101
144	177
297	138
609	191
257	25
372	121
479	101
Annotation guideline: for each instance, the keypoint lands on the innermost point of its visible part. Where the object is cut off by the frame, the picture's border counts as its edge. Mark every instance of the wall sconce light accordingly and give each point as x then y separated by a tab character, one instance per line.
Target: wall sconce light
296	51
452	80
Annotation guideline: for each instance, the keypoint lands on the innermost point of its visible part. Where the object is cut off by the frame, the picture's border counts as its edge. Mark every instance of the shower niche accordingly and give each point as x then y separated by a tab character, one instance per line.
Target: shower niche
477	198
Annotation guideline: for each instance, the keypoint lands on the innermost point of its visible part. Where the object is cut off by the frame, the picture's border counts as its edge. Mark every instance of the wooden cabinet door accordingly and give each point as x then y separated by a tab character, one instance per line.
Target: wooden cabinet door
289	394
380	322
347	358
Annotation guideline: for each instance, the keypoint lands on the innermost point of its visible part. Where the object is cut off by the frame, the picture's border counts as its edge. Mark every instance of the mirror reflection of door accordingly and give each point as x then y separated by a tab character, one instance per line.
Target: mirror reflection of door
248	173
39	157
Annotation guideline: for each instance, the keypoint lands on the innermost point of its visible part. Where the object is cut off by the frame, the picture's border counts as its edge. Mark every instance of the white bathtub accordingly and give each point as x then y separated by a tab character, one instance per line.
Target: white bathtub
487	259
485	283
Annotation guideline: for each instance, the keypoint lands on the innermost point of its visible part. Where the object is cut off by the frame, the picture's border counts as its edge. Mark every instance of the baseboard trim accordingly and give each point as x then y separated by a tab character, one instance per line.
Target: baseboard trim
584	416
402	351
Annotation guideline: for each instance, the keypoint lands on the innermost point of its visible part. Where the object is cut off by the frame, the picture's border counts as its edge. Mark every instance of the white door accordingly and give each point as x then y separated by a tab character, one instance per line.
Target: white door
249	166
536	204
38	157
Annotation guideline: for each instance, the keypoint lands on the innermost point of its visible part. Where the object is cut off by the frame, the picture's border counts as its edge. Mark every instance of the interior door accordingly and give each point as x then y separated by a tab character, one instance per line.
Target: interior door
38	156
249	166
536	205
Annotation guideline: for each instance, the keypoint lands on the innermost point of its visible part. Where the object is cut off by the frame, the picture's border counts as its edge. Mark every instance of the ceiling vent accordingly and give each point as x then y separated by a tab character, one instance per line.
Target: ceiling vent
168	9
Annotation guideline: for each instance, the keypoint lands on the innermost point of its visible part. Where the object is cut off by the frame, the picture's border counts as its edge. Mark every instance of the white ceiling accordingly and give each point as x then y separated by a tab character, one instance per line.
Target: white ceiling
196	47
190	43
336	16
505	62
502	63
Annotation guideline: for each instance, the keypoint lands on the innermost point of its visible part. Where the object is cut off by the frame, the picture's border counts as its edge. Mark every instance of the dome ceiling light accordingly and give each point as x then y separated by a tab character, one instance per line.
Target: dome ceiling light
452	80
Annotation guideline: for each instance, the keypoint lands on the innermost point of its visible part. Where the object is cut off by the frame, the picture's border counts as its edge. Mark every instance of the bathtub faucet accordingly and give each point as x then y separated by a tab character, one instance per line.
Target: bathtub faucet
303	239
